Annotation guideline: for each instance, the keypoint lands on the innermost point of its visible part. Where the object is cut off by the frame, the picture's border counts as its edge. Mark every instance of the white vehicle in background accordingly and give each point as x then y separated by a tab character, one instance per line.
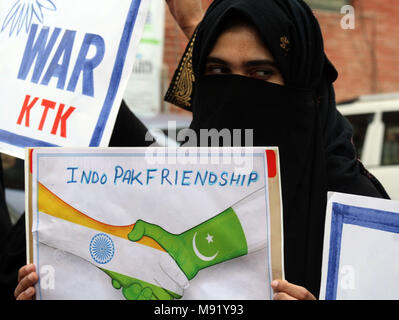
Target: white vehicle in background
375	119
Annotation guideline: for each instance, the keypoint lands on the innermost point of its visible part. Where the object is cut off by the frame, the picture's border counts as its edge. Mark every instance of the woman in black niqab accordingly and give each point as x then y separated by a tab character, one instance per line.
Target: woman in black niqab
314	139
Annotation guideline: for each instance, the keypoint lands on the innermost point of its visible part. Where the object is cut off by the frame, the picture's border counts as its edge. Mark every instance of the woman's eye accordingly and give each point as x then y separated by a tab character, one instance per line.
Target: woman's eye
262	73
216	70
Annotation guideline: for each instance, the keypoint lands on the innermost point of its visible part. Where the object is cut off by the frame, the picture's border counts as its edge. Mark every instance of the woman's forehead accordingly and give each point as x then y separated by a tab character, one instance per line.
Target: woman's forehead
241	41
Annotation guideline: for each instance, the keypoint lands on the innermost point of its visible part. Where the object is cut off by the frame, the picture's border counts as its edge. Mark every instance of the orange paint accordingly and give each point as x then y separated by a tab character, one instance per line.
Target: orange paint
50	204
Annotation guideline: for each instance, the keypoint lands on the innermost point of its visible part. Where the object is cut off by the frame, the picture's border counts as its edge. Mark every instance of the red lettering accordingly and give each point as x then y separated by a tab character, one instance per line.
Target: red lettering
59	121
271	163
62	118
26	107
47	104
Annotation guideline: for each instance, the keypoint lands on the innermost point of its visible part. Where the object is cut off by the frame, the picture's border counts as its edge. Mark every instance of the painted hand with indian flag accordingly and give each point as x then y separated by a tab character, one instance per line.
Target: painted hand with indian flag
142	270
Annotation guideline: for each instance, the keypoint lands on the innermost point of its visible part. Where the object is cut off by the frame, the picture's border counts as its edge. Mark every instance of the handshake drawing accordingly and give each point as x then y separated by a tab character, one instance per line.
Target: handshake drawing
216	240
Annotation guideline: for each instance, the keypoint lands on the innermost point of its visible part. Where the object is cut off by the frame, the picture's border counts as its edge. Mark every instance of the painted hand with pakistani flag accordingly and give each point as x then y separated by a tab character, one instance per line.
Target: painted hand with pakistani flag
216	240
230	234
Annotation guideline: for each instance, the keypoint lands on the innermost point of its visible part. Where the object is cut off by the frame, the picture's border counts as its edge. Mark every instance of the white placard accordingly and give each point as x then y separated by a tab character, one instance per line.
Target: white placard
361	249
205	217
64	68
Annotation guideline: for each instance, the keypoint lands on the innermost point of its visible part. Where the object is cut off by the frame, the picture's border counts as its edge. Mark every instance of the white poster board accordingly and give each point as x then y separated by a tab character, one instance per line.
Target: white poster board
212	228
64	68
361	249
143	93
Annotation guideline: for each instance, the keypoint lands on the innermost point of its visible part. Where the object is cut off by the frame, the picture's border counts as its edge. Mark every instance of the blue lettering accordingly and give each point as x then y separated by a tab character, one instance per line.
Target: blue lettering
165	176
223	177
72	176
234	180
38	49
149	177
103	179
95	177
85	177
86	66
185	177
212	182
243	179
127	176
118	173
60	70
136	177
253	177
203	180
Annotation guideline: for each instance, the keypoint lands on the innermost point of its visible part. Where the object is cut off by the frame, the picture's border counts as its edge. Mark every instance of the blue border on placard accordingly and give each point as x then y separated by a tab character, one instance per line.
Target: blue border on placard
22	141
116	73
39	155
363	217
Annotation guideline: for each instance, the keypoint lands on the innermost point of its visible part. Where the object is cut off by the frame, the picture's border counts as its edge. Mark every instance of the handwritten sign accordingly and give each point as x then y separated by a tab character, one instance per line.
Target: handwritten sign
163	176
162	230
64	67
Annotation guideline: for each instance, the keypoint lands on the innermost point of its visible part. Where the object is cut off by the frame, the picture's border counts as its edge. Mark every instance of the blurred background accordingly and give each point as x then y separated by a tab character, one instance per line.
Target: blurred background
366	56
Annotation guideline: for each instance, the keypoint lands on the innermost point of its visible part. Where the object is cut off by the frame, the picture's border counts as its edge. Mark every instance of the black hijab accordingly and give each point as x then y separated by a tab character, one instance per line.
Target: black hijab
301	118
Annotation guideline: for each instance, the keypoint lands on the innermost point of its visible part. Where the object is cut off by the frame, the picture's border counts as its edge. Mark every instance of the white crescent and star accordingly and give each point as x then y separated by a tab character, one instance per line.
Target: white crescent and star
209	238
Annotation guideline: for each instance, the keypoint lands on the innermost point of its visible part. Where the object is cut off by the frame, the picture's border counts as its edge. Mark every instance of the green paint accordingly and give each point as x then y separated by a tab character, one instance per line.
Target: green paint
150	41
134	289
214	241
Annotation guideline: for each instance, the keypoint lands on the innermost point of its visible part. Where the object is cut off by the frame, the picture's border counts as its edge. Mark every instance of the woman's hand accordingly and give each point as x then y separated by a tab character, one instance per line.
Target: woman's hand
283	290
27	278
187	13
